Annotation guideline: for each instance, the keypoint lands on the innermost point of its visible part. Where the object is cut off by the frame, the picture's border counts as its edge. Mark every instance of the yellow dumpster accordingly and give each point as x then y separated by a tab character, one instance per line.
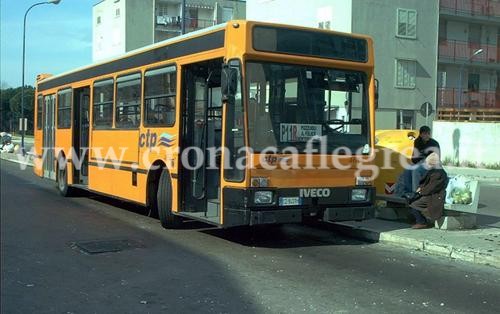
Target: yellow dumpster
394	149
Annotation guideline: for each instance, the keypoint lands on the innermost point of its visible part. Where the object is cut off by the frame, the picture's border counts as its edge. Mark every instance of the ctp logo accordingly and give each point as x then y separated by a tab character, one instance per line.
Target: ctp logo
150	139
166	140
147	139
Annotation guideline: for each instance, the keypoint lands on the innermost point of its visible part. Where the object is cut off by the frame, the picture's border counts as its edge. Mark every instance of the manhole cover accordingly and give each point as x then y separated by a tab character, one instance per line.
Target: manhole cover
107	246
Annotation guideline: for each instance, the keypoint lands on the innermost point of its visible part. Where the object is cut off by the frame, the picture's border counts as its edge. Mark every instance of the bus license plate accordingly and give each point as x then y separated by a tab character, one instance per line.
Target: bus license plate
289	201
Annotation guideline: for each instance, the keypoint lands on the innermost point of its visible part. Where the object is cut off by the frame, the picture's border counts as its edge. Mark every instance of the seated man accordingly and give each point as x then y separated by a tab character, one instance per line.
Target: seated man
423	146
431	193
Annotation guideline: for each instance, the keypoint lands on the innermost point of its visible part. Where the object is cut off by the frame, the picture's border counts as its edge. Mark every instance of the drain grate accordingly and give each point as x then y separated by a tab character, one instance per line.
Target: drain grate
107	246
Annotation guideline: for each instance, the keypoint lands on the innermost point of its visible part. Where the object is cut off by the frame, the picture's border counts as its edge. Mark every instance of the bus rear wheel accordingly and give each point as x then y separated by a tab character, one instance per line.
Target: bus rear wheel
62	179
164	202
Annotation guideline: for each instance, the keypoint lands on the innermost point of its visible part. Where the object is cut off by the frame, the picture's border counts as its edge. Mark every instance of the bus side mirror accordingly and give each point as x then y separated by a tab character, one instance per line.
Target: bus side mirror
229	82
376	94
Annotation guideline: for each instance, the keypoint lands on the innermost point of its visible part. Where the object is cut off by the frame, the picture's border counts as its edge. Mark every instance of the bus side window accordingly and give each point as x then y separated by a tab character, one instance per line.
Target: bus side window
39	110
159	96
128	98
103	104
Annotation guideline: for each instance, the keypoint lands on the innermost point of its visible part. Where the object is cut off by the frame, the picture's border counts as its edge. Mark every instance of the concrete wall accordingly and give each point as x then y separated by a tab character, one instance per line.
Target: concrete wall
140	21
458	30
487	78
465	142
378	19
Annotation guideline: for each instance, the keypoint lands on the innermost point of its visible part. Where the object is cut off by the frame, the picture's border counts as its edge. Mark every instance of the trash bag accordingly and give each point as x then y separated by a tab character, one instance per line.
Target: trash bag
458	191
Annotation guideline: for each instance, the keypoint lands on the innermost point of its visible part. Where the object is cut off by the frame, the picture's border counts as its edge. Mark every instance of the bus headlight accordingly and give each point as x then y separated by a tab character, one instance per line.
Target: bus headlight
263	197
363	181
259	182
358	195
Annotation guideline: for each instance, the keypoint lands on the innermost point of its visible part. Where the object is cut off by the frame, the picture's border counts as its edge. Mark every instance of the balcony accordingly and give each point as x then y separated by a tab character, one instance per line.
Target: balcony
461	51
486	9
449	98
173	23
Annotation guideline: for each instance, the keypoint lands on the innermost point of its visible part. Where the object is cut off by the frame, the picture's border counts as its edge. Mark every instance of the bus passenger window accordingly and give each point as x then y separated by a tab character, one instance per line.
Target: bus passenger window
103	104
64	109
128	98
39	110
159	96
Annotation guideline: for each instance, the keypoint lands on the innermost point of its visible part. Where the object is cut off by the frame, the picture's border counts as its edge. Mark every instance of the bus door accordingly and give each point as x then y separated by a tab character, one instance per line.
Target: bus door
202	135
81	134
49	135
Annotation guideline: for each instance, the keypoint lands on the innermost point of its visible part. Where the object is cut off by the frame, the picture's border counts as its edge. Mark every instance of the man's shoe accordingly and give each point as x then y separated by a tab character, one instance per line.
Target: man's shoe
419	226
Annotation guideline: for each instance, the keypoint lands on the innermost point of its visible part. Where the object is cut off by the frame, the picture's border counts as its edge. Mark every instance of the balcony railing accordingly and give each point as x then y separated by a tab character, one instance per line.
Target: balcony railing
481	8
462	51
174	23
469	114
449	98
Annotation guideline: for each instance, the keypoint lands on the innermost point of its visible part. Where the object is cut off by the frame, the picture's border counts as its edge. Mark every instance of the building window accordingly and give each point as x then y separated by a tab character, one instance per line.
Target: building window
406	72
227	14
64	109
128	98
117	12
98	20
407	23
443	30
324	25
103	104
159	96
405	120
473	82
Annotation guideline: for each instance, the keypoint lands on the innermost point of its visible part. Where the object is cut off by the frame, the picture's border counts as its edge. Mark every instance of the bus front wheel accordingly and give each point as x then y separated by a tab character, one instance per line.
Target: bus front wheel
164	202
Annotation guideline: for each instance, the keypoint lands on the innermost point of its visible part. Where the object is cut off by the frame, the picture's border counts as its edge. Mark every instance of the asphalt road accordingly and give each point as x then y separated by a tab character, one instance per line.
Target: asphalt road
201	269
489	208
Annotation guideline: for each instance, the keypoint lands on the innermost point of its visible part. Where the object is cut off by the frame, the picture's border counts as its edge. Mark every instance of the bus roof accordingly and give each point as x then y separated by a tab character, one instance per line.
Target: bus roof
152	47
193	42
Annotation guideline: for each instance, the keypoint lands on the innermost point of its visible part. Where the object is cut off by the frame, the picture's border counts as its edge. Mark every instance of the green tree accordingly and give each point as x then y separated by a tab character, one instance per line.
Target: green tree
11	108
6	116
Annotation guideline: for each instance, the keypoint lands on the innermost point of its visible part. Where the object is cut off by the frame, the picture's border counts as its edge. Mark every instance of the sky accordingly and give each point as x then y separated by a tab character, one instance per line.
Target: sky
58	38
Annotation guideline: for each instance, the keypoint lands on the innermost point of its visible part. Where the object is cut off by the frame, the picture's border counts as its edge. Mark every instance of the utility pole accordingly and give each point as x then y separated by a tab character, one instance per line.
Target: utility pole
183	17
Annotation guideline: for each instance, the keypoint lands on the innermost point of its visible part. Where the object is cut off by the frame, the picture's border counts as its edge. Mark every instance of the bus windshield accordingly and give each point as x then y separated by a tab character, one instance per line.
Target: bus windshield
291	105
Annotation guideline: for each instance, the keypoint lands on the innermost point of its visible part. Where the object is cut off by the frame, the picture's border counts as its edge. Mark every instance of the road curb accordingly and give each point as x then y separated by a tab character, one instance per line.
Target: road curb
471	255
15	160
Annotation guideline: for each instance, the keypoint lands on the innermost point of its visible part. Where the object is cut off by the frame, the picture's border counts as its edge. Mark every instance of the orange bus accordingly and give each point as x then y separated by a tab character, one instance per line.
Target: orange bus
243	123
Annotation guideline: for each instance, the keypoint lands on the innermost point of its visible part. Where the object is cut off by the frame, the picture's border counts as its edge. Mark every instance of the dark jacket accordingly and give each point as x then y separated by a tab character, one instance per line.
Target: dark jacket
433	191
423	149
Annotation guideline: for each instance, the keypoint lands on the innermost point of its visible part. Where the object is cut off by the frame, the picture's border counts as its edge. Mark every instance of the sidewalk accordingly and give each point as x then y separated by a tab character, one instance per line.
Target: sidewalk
13	157
480	246
480	174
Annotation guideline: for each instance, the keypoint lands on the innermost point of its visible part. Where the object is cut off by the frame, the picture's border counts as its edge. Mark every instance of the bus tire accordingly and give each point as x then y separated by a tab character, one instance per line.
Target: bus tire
62	179
164	202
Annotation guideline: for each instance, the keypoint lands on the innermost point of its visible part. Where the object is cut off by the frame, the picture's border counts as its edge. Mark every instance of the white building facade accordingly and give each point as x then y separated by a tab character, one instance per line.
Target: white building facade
120	26
405	37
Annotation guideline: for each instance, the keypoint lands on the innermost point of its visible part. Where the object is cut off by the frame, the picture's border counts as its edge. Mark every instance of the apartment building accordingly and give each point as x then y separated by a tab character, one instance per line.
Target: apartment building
405	35
124	25
469	54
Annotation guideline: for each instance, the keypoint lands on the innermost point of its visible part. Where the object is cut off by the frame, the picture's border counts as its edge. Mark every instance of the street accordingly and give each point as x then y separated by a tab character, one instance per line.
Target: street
198	268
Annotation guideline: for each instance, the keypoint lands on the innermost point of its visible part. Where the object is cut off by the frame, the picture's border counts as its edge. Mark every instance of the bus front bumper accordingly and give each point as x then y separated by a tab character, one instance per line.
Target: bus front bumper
239	210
